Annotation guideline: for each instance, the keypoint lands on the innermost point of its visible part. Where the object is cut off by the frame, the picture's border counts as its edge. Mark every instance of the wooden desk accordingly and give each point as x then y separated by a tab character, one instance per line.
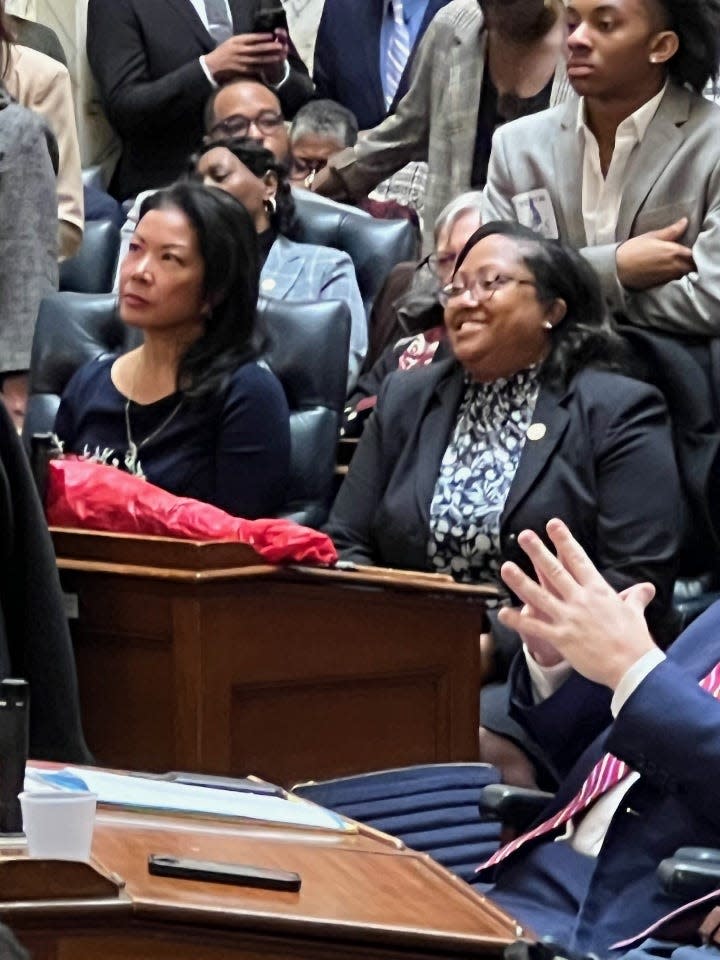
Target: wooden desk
198	656
363	897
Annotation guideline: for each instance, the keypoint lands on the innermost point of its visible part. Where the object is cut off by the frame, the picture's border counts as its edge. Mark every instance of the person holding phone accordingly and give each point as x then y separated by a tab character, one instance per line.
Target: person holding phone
156	65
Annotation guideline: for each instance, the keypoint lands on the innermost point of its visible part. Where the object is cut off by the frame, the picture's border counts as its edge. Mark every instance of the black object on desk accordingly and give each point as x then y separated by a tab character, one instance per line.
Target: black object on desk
14	728
210	871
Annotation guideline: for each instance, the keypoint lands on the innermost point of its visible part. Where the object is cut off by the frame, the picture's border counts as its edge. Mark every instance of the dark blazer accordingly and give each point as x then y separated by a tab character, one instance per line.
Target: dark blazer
144	55
34	636
347	57
669	732
606	436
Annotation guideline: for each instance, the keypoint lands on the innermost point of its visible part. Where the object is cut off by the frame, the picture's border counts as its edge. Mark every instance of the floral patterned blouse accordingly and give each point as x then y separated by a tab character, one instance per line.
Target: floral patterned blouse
476	473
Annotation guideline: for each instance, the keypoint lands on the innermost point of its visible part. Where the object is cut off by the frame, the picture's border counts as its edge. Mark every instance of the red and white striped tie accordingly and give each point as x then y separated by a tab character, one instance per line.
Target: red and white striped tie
606	774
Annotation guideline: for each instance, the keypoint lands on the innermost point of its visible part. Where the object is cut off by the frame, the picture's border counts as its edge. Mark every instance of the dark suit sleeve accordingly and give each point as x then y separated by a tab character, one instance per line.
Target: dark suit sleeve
118	58
298	88
323	67
669	731
351	519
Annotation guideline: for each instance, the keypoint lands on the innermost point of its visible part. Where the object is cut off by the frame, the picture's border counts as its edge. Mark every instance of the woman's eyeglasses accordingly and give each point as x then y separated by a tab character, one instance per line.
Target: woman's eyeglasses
479	287
239	126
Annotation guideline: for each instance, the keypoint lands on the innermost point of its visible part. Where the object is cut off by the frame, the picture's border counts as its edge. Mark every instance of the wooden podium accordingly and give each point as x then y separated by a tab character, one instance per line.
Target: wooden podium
200	656
363	897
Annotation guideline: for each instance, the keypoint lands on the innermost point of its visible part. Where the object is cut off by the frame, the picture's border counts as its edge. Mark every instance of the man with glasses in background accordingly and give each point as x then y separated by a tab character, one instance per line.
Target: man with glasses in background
156	64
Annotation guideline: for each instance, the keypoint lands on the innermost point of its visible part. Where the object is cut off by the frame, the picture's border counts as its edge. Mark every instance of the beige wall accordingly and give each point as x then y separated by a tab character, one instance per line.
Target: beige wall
68	19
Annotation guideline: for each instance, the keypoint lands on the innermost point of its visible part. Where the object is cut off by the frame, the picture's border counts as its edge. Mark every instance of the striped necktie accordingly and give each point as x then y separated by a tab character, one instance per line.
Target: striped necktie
220	26
398	50
606	774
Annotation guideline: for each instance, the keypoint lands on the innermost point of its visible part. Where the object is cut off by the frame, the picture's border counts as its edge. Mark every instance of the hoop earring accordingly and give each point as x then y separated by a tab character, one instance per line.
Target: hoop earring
270	204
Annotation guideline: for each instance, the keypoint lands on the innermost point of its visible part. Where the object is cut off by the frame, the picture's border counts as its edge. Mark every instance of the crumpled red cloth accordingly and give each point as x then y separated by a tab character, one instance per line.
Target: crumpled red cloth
95	496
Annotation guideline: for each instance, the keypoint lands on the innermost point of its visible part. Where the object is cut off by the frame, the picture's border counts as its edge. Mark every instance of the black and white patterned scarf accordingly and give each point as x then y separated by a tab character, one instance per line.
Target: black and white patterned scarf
476	473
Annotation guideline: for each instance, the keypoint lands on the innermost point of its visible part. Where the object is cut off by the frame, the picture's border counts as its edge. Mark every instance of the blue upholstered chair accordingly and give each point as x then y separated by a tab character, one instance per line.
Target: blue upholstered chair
432	808
92	269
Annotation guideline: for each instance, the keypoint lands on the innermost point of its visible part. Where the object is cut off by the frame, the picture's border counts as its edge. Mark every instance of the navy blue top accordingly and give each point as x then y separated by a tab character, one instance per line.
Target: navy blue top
232	450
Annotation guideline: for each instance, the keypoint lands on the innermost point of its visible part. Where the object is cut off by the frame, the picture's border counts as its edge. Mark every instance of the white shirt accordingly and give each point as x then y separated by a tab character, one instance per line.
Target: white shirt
602	196
588	836
199	7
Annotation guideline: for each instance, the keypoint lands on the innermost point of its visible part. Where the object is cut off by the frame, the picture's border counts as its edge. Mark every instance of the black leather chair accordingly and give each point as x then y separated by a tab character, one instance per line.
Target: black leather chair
374	246
686	370
92	269
306	346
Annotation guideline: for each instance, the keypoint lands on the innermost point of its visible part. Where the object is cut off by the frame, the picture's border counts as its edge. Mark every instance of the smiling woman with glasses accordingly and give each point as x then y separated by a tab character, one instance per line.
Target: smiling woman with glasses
531	417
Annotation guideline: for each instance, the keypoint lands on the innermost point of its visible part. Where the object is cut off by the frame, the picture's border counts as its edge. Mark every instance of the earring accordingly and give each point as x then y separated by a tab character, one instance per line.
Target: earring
653	59
270	204
547	325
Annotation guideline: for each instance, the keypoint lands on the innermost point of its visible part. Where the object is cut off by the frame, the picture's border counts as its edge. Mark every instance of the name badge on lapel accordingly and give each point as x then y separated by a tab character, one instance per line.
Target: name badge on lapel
534	209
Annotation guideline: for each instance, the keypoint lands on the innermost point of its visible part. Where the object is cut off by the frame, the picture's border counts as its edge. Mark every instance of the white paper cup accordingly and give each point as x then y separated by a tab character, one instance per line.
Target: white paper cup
59	824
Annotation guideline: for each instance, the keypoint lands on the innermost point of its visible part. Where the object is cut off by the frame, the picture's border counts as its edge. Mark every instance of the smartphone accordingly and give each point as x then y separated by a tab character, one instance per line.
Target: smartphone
269	20
211	871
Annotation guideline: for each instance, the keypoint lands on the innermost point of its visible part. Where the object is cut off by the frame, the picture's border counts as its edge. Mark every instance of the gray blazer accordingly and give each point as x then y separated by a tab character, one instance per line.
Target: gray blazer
306	271
28	228
673	173
437	118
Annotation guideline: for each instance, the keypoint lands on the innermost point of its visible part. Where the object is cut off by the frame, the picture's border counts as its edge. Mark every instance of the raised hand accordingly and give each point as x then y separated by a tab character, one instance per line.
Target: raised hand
573	611
249	53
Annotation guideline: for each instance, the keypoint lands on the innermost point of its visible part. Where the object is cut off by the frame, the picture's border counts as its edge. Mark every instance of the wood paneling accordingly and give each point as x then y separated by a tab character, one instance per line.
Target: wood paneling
216	662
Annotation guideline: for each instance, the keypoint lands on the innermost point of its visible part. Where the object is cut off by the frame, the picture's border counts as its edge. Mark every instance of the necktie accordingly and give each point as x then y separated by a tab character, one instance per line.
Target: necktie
398	50
220	26
606	774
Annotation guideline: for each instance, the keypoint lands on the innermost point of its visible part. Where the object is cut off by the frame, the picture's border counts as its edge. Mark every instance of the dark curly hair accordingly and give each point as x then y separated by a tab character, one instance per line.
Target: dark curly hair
229	249
697	24
259	161
585	336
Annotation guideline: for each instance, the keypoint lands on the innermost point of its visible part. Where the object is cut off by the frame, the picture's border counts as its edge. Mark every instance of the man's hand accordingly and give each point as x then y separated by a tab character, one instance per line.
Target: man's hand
249	53
328	184
654	258
574	611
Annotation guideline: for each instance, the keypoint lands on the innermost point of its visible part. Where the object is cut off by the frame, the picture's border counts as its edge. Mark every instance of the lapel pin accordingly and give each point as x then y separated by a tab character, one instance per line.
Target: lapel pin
268	284
536	431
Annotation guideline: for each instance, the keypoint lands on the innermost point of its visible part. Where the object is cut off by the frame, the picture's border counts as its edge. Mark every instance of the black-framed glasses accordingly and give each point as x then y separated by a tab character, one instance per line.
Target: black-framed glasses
239	126
479	287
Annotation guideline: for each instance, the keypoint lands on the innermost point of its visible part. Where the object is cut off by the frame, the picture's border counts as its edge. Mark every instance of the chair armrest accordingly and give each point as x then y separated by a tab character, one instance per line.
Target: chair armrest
691	873
515	807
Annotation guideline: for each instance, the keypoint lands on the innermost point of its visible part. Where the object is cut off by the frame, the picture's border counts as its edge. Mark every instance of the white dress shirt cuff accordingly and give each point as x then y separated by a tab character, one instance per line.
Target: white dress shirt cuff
633	677
208	74
544	681
286	74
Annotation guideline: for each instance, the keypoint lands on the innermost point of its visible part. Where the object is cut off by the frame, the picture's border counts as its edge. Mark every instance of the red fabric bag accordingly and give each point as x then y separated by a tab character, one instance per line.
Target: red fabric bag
94	496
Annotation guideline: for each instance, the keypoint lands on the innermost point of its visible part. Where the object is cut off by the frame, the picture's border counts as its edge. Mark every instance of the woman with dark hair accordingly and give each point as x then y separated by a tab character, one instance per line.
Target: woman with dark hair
532	418
190	409
290	270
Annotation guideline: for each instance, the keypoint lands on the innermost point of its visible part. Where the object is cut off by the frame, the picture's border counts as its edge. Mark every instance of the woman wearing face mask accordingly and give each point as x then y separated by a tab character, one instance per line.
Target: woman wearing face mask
531	418
289	270
190	409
